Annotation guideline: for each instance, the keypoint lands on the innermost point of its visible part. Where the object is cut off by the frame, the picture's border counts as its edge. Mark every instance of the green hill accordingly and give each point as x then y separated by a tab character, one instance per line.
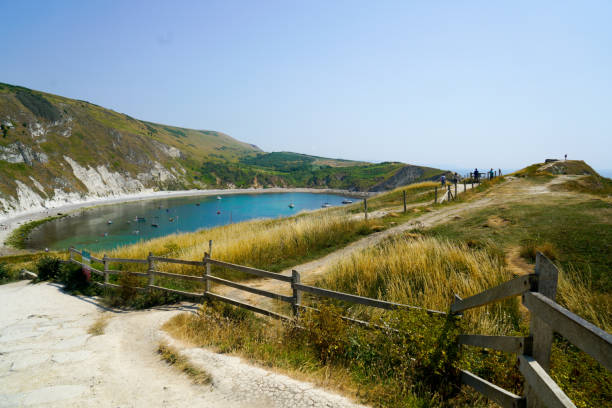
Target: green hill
55	149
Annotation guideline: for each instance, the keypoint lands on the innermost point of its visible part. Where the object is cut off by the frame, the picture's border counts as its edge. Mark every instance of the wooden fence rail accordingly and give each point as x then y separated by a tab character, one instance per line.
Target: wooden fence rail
538	293
537	290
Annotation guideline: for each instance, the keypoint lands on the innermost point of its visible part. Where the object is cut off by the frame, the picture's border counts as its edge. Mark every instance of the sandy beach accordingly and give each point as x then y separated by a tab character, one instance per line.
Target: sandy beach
9	222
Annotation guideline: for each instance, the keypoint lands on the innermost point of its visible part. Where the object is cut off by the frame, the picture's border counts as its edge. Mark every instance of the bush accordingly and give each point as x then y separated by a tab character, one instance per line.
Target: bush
7	274
73	278
48	268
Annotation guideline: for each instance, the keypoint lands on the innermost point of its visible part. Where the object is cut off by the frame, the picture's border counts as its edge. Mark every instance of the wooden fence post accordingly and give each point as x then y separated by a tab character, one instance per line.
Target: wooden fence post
207	256
542	333
436	195
449	193
297	295
404	201
455	189
464	186
151	271
105	262
365	206
71	254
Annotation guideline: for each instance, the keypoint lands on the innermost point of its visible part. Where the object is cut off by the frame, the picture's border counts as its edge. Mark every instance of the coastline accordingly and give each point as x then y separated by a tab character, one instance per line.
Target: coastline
10	222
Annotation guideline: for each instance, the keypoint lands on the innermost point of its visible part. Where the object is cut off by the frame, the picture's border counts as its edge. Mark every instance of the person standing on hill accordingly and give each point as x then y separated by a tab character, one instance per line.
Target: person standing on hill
491	174
443	180
566	157
476	175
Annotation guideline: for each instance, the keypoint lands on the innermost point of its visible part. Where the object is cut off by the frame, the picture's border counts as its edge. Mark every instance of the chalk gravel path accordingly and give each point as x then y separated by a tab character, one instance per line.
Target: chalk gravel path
48	359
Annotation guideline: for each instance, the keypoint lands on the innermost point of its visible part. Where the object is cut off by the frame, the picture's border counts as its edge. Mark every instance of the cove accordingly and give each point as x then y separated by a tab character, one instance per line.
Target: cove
143	220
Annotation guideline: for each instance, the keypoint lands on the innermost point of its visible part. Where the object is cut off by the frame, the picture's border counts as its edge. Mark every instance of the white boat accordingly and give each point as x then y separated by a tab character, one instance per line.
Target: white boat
218	197
326	205
109	222
347	201
291	205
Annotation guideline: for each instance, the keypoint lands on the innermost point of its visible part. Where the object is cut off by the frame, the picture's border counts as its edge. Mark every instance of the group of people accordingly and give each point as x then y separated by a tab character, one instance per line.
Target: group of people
476	175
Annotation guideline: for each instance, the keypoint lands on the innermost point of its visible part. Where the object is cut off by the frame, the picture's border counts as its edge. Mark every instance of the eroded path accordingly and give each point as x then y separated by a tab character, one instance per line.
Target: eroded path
47	359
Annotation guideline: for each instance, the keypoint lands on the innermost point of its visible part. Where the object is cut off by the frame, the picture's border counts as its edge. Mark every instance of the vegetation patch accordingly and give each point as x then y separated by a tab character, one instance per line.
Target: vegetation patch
38	105
174	358
98	327
19	236
8	273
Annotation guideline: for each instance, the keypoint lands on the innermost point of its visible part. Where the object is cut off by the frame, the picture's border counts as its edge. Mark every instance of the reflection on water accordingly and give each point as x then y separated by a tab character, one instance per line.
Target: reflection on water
114	225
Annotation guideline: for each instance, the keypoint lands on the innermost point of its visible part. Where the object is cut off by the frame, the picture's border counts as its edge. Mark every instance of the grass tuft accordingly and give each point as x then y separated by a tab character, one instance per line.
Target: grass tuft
174	358
98	327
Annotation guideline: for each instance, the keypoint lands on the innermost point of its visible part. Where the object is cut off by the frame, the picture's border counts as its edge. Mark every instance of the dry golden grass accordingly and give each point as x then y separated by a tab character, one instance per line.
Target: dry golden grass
266	244
575	292
98	327
170	355
427	272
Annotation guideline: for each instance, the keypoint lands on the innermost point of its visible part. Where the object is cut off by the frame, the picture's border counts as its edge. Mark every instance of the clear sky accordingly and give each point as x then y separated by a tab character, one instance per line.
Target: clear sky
443	83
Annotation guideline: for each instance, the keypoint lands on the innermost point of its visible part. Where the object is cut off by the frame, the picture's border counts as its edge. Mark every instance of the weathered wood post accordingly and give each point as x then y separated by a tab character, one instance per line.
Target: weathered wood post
404	201
151	270
455	189
297	295
105	262
542	334
464	186
449	193
365	207
207	255
436	195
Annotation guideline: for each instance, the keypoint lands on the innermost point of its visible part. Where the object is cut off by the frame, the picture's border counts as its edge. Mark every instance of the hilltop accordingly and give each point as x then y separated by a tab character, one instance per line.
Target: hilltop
56	150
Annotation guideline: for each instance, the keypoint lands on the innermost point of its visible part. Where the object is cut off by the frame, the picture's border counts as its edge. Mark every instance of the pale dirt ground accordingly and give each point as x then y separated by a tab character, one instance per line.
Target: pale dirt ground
47	359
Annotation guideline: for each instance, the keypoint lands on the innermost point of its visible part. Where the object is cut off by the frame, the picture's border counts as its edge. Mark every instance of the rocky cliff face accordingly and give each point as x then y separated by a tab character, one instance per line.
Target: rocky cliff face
55	150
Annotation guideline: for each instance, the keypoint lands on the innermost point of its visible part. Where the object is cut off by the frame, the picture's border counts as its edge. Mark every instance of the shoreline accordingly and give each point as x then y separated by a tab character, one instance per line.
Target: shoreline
10	222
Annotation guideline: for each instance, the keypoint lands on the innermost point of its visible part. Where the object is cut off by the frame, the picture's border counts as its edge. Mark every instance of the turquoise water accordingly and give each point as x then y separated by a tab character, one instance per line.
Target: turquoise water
90	228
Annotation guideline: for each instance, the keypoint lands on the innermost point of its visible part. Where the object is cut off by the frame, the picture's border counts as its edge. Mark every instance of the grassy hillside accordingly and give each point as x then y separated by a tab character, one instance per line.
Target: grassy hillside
298	170
39	130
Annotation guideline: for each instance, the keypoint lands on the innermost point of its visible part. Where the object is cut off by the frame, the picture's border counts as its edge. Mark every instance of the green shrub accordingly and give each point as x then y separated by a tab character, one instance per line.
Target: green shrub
7	274
48	268
73	278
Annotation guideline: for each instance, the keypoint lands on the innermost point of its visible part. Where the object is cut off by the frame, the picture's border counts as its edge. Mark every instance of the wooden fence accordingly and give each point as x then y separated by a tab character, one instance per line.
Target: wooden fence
538	292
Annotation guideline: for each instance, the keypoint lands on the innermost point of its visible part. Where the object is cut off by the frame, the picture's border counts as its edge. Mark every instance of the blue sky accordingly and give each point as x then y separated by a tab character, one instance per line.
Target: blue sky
444	83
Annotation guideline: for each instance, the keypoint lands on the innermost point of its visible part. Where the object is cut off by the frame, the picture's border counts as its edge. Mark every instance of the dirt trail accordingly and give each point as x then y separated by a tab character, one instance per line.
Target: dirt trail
48	359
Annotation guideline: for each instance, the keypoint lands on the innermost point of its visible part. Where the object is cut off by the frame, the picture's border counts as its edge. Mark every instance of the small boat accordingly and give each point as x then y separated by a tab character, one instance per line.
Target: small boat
326	205
171	219
140	219
197	204
167	210
154	225
109	222
218	212
291	205
347	201
136	232
218	197
106	234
